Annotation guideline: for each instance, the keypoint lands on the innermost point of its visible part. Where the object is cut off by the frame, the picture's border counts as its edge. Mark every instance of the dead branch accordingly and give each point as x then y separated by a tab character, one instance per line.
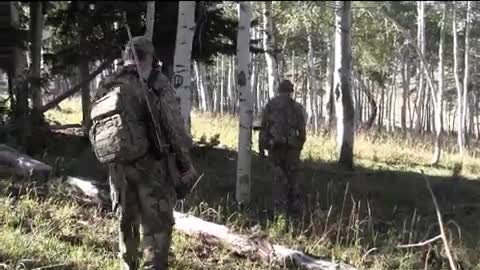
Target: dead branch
79	86
421	244
453	266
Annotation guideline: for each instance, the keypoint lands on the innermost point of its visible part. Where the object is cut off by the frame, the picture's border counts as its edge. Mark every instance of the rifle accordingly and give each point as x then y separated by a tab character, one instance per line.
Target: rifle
162	148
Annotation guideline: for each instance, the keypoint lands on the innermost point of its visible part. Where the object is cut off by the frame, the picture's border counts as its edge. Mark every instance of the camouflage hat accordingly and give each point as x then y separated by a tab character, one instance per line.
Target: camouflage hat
286	86
141	43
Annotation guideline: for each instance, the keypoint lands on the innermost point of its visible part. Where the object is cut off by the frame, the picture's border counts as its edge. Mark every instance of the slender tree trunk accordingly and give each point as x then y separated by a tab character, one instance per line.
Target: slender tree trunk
293	67
372	110
426	112
216	88
342	83
246	105
394	108
151	18
466	70
381	110
182	59
269	43
231	102
471	111
357	100
36	30
329	84
201	86
405	93
260	82
477	113
421	45
222	86
458	84
391	105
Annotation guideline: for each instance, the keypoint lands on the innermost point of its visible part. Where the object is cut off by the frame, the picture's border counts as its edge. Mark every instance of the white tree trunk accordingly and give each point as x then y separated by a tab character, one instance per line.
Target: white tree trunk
466	76
222	85
182	59
312	117
421	45
216	90
405	93
458	84
342	83
246	105
231	101
439	104
201	86
268	43
150	19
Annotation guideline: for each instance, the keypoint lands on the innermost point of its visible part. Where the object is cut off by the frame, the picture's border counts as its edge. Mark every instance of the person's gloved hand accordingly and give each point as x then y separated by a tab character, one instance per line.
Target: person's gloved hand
186	181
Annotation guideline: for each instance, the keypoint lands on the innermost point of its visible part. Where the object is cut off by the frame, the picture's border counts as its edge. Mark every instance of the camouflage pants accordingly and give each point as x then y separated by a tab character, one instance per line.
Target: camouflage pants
285	162
142	195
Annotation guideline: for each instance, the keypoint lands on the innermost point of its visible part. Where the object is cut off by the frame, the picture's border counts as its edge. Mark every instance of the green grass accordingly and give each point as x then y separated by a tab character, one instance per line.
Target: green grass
386	204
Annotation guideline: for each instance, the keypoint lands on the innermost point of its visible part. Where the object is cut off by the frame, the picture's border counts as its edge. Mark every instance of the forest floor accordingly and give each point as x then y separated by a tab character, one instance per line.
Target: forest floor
355	217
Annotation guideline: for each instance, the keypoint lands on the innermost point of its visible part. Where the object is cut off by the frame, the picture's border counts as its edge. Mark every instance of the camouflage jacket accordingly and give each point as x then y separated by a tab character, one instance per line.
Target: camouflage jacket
283	110
165	108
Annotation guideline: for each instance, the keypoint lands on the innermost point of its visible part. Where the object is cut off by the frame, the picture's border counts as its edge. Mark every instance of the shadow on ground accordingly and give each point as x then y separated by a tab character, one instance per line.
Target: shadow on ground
389	197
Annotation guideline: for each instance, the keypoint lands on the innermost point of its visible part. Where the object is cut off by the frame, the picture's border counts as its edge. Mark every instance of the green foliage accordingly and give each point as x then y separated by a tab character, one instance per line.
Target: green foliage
373	52
95	22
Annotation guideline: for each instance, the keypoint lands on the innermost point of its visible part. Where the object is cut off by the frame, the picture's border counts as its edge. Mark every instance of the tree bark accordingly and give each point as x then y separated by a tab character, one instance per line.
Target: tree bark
269	45
342	83
36	30
182	59
246	105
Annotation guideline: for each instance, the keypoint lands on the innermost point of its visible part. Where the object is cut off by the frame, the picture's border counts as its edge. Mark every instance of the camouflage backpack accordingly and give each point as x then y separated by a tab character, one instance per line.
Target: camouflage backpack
283	121
119	132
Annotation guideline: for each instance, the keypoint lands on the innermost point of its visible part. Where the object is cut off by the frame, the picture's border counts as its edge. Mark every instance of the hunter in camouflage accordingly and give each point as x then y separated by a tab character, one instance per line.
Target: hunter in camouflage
144	192
283	134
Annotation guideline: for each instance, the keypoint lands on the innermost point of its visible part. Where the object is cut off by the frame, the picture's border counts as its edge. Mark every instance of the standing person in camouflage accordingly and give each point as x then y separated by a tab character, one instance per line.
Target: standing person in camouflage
144	188
283	135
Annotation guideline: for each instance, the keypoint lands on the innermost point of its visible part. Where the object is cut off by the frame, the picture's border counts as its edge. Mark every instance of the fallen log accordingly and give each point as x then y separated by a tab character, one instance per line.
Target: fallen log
12	161
251	247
